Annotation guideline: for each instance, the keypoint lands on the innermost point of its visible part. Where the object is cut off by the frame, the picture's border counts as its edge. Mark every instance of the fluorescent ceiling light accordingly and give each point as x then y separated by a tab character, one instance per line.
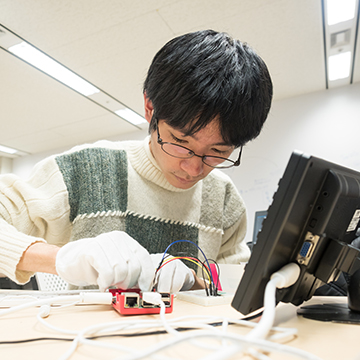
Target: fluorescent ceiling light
7	150
339	66
131	116
340	10
52	68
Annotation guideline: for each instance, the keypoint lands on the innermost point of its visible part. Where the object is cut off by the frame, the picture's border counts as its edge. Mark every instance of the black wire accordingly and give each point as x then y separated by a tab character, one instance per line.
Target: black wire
213	289
203	275
147	333
183	254
218	274
203	267
157	269
10	342
252	317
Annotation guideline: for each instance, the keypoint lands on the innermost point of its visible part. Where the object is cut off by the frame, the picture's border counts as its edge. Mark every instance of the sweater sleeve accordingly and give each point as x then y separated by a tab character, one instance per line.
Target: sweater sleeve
31	210
234	249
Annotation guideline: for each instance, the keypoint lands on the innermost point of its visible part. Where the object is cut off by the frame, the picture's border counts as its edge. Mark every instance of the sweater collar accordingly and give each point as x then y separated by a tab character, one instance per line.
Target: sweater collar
145	164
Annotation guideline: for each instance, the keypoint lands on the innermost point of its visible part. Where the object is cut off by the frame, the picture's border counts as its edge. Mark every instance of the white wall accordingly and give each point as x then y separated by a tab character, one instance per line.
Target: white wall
324	124
22	166
5	165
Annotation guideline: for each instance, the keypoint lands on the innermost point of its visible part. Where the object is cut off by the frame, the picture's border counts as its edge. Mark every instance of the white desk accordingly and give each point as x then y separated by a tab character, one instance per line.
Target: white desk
329	341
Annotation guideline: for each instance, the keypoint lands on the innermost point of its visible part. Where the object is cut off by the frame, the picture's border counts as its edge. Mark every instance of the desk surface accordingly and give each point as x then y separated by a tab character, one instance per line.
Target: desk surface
329	341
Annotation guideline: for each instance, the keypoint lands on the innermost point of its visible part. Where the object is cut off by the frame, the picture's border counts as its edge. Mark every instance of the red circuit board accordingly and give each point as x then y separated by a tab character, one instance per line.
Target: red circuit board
130	302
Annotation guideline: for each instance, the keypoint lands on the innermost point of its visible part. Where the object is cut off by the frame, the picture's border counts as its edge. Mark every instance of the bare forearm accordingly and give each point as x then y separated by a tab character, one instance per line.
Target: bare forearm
39	257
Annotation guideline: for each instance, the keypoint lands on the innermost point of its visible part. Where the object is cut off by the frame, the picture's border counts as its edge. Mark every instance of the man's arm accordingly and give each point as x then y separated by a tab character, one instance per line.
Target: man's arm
39	257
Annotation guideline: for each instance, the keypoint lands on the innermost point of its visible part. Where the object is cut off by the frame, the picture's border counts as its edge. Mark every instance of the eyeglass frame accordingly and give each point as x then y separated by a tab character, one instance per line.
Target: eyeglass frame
161	143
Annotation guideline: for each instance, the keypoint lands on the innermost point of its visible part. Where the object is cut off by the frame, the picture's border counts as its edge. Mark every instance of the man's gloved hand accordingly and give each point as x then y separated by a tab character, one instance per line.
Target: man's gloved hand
175	276
113	258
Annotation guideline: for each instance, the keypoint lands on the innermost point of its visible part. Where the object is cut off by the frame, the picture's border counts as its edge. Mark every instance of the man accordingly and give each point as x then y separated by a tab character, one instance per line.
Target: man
103	214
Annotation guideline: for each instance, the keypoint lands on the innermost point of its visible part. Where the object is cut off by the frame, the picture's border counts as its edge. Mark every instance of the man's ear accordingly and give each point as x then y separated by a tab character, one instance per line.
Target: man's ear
149	109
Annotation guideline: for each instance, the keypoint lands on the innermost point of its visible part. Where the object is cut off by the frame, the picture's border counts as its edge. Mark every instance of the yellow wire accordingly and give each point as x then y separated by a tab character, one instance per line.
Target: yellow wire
169	258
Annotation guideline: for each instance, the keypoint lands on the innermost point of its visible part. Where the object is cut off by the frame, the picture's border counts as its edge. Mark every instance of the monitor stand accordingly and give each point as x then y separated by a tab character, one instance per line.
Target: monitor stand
344	313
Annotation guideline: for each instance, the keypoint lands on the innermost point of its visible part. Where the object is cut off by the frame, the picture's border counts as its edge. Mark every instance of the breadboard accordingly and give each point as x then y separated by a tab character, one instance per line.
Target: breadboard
199	297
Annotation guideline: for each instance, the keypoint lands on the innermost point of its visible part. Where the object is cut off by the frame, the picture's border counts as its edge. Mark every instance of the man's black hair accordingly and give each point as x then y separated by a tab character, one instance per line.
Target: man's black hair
201	75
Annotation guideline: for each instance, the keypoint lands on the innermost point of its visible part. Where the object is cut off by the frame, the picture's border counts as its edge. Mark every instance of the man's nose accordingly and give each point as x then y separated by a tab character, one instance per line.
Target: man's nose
193	166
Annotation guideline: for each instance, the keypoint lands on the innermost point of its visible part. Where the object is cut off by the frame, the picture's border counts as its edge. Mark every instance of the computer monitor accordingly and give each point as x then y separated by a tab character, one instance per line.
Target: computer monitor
312	221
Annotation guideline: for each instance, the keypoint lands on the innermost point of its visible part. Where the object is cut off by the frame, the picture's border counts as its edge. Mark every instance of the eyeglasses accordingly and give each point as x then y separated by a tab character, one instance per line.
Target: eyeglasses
182	152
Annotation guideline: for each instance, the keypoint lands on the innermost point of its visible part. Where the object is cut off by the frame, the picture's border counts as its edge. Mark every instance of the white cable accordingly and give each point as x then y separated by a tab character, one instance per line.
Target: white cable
44	312
229	345
107	328
262	344
80	338
52	300
17	297
132	325
99	298
149	297
267	318
285	277
257	355
147	324
155	299
282	333
223	352
91	298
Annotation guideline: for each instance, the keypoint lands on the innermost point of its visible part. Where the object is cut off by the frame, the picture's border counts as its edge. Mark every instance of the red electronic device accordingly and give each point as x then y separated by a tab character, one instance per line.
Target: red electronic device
130	302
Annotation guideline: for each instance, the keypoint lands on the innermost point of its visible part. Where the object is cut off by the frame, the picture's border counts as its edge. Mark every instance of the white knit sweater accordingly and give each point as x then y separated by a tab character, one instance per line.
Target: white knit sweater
117	185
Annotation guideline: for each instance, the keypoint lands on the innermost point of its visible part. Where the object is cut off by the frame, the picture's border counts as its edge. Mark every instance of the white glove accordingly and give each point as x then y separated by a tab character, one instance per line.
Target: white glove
173	277
113	258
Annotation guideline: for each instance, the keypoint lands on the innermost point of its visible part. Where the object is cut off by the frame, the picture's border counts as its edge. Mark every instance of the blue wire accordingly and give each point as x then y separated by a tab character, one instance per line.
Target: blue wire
191	242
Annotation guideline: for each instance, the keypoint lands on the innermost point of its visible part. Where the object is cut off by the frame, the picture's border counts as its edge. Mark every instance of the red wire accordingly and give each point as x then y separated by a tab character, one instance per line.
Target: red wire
186	258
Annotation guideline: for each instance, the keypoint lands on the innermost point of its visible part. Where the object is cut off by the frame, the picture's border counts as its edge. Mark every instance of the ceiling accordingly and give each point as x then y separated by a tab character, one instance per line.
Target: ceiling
111	44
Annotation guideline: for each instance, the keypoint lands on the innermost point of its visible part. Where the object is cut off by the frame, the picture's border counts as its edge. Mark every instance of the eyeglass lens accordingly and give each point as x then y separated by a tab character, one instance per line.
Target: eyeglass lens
184	153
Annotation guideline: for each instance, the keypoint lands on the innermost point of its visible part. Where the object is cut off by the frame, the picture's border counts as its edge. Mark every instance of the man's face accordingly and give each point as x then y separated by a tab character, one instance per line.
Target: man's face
185	173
